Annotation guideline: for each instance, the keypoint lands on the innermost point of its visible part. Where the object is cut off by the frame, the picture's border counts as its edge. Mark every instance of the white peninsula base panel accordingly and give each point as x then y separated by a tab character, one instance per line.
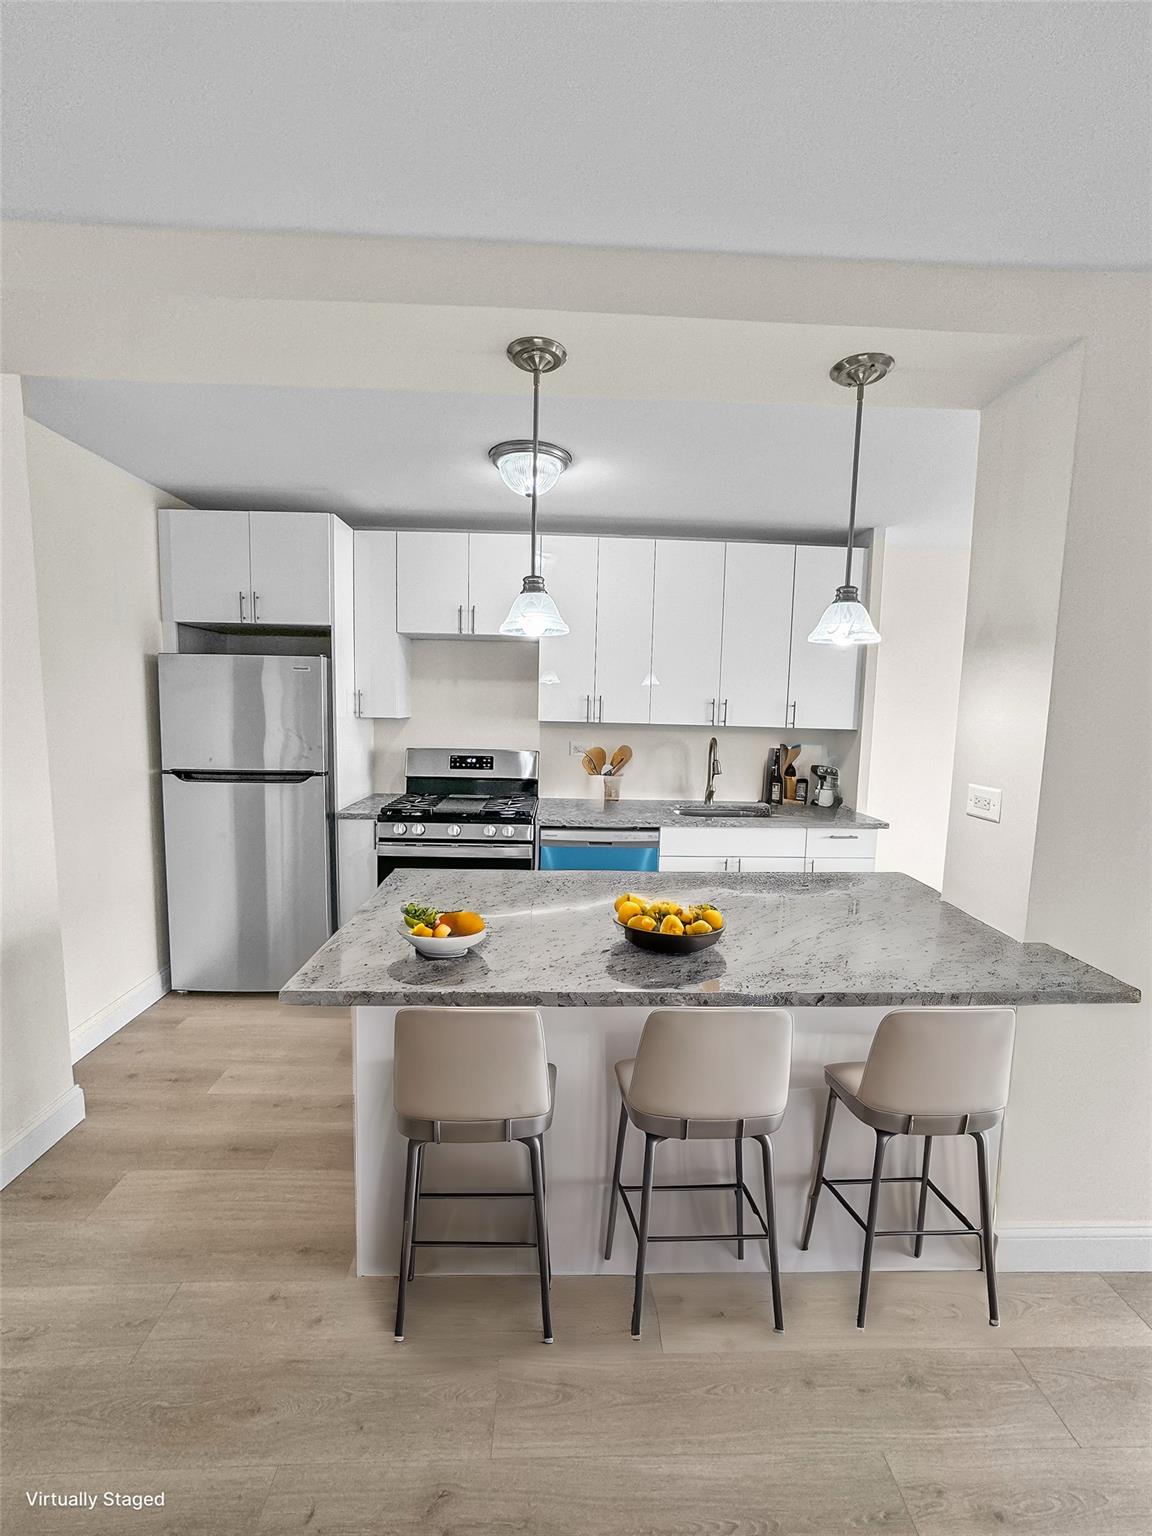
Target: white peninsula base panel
585	1044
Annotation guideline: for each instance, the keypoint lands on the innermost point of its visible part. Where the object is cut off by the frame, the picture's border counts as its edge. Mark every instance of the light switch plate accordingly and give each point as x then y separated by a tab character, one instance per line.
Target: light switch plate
983	802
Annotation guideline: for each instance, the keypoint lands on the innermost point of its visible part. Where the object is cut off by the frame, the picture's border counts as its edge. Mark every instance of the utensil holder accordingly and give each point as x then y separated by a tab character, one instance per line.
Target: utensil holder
611	789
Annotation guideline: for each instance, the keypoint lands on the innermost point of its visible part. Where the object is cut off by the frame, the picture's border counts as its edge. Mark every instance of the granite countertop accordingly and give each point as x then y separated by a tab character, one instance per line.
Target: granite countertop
814	940
632	815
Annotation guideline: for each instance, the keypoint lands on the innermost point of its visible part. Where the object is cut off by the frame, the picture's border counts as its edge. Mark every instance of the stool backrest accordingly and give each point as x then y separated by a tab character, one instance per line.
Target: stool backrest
940	1061
470	1064
713	1063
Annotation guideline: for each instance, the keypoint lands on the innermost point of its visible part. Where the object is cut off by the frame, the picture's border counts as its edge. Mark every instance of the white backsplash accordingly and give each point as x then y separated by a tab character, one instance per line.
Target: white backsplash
482	693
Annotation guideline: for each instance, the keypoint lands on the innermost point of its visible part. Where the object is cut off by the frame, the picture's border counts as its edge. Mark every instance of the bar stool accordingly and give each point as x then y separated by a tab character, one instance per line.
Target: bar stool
930	1072
704	1074
472	1075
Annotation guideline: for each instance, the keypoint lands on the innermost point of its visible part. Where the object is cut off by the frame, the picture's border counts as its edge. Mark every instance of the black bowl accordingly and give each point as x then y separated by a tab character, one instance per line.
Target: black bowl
669	943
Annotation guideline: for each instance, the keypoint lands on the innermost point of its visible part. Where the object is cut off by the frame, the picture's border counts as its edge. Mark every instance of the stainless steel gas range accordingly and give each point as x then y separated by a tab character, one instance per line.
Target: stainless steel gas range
471	810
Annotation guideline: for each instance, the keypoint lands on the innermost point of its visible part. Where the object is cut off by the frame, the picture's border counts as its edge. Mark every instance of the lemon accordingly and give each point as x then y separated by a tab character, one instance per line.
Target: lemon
699	926
713	918
637	920
671	925
627	910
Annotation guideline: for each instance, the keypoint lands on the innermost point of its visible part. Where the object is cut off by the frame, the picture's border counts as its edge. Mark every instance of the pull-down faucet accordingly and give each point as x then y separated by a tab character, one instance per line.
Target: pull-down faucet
714	772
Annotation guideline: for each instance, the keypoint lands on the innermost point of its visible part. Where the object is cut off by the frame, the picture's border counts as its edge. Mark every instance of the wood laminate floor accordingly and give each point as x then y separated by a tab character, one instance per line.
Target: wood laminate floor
179	1315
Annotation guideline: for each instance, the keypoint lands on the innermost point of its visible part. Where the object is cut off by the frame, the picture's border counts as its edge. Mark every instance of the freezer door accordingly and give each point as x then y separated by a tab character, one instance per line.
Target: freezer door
249	893
244	713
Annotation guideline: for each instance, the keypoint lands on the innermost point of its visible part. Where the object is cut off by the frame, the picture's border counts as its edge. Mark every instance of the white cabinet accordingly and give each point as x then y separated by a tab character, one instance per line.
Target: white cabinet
624	631
381	651
291	568
757	634
824	680
568	663
772	866
760	849
497	562
207	567
687	623
247	567
827	842
431	583
356	865
852	866
693	864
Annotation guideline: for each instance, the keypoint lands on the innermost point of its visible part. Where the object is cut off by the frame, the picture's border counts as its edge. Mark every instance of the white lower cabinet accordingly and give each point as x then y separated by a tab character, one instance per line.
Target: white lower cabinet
690	864
766	850
769	866
857	866
355	865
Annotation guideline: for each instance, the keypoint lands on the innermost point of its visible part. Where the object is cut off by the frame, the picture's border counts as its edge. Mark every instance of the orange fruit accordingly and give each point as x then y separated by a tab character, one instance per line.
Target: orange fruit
713	918
627	910
671	925
463	924
441	931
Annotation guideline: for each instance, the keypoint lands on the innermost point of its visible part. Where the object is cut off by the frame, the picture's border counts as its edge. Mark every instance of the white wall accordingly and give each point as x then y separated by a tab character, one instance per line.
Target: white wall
910	733
1023	481
483	693
40	1101
95	531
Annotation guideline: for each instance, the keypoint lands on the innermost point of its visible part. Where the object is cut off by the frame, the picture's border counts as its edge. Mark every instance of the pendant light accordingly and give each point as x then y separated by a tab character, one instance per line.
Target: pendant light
845	621
534	615
514	461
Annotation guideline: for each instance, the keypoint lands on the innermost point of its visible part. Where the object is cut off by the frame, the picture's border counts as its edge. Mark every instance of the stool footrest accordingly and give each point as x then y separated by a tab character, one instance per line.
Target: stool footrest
464	1242
474	1194
965	1230
704	1237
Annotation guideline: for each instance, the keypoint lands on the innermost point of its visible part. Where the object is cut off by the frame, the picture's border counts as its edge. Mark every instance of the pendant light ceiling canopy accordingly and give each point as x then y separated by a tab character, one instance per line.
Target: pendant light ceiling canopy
533	615
846	621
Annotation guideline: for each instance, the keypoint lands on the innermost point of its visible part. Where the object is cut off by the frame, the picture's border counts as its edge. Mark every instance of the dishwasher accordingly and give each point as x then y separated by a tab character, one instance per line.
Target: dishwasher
588	848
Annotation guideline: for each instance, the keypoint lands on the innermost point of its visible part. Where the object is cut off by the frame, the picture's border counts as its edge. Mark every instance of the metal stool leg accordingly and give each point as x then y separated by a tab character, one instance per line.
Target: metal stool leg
817	1182
770	1221
882	1140
416	1209
740	1198
650	1144
406	1238
544	1182
988	1243
918	1247
540	1208
616	1170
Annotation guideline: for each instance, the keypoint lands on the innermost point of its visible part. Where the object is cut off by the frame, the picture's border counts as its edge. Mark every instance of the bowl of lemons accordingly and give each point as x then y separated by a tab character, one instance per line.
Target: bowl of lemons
441	935
666	926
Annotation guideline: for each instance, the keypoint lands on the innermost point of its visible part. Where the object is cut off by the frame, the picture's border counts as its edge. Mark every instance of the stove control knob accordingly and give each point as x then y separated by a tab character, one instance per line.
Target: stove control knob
489	831
417	829
399	828
507	831
453	830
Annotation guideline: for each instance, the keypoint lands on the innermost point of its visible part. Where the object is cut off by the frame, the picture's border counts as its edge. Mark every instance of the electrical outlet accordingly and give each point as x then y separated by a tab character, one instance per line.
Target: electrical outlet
575	749
983	802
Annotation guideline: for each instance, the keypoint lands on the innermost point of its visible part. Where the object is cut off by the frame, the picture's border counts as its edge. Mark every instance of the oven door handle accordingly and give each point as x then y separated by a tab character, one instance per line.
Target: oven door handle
455	853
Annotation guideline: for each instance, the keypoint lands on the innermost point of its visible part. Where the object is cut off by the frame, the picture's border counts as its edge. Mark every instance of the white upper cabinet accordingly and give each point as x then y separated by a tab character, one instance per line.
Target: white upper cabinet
624	631
824	680
687	623
432	583
381	652
497	562
757	633
207	567
291	568
568	663
247	567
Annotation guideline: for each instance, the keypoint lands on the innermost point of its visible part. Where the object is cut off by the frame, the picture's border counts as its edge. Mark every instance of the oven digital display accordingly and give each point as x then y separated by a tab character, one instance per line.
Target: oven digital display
470	762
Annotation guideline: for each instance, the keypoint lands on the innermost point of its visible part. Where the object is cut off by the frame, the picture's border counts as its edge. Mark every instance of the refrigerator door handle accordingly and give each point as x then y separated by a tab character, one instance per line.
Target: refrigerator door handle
209	776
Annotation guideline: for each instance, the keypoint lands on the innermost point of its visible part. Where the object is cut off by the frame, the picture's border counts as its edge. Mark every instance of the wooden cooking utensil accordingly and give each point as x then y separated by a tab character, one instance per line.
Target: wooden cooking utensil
588	763
621	758
599	757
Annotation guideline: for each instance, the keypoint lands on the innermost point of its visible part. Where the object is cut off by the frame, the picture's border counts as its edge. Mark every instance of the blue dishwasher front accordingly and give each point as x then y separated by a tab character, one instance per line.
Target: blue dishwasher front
588	848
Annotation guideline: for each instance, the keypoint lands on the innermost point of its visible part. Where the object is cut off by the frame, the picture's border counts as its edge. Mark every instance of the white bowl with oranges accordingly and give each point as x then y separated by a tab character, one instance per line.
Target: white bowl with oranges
667	926
442	935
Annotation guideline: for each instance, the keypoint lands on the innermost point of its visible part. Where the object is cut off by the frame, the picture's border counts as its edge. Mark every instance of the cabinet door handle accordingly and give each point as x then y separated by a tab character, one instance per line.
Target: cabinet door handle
255	607
600	709
711	711
243	615
792	722
359	703
473	618
725	719
460	619
587	709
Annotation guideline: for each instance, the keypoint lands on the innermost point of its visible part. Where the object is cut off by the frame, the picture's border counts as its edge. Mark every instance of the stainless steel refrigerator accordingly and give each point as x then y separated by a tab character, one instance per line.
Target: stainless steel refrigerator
245	757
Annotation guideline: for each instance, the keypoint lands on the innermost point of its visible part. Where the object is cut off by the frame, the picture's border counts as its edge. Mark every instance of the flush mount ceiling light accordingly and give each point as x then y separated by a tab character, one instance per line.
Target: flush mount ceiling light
534	615
514	461
845	621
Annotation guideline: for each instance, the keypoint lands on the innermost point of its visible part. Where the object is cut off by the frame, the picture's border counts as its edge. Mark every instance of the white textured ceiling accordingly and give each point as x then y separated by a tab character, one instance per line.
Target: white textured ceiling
421	458
981	132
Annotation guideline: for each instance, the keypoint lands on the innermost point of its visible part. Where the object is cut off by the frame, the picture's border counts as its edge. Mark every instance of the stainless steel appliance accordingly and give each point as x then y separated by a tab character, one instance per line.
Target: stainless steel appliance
244	751
474	810
593	848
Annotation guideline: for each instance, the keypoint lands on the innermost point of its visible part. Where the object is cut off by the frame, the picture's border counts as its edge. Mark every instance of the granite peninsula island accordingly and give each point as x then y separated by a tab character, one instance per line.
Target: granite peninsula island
836	949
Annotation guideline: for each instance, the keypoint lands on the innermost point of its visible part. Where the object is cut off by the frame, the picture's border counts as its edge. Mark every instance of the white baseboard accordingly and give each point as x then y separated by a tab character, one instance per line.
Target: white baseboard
61	1116
122	1010
1028	1245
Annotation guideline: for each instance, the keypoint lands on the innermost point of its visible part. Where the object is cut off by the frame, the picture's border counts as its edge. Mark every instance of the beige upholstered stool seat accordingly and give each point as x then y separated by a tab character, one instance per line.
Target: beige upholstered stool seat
930	1072
703	1074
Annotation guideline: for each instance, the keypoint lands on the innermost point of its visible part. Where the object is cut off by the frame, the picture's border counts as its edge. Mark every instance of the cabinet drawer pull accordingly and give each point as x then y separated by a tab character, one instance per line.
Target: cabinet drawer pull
243	615
843	837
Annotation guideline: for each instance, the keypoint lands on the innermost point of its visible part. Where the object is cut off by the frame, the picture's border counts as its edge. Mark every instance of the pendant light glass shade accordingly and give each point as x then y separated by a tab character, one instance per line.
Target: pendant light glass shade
514	461
533	615
845	622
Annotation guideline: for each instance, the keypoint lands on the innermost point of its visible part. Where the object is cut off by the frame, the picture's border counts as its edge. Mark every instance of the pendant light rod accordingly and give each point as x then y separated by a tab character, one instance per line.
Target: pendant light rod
855	479
535	456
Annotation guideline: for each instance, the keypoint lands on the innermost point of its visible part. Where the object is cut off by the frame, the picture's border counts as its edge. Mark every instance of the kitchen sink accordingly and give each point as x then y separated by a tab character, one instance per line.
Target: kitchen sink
736	808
